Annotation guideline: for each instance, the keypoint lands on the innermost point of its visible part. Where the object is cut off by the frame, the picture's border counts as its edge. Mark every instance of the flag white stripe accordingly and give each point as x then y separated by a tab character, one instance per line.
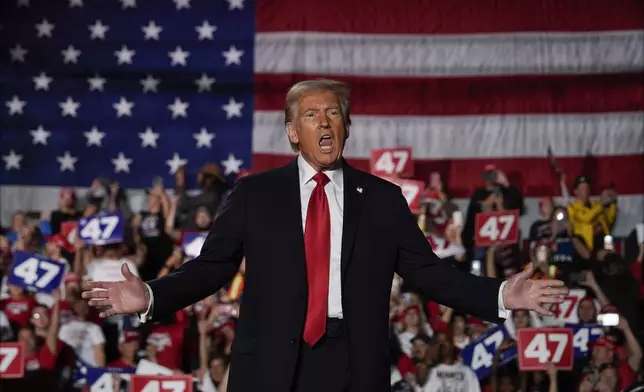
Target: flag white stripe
463	137
449	55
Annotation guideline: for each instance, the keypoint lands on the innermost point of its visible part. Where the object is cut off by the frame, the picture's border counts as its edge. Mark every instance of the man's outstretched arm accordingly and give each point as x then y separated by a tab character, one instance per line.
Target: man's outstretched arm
218	262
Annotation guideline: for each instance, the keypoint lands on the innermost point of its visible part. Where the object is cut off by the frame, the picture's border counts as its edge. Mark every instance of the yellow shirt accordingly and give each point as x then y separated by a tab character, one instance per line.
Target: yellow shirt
584	218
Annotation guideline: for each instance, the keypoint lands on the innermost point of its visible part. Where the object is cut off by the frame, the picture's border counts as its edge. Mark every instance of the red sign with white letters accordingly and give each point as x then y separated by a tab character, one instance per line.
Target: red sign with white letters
392	162
411	189
496	228
537	347
175	383
12	360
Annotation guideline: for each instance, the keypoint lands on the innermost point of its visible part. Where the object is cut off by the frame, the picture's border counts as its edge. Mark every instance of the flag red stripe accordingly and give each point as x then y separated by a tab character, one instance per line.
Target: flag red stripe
473	95
533	176
448	17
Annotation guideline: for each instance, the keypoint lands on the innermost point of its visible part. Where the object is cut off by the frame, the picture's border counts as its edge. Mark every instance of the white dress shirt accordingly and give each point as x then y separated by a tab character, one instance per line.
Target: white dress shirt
335	195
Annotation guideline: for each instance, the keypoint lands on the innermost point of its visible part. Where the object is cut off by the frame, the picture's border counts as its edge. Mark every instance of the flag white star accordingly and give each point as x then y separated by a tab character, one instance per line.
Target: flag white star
22	3
42	82
232	165
121	163
12	161
233	108
235	4
150	84
179	108
18	53
233	56
204	83
182	4
179	56
96	83
44	28
204	138
15	106
69	107
175	163
75	3
123	108
70	55
67	162
149	138
206	30
40	135
124	55
152	31
98	30
94	137
128	4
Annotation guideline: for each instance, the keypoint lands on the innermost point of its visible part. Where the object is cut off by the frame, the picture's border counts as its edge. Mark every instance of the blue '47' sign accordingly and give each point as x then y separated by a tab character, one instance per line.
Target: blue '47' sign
582	336
35	272
101	229
479	355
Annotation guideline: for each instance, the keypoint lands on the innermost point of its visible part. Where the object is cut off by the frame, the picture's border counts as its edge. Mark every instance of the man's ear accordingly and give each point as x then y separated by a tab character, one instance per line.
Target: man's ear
292	133
346	135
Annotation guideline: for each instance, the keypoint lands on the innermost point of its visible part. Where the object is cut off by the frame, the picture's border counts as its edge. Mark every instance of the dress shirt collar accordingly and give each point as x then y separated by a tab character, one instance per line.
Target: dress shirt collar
307	172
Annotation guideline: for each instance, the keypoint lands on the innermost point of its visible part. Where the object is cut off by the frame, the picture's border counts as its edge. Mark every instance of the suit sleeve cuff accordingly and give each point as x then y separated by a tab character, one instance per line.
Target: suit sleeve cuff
503	312
147	315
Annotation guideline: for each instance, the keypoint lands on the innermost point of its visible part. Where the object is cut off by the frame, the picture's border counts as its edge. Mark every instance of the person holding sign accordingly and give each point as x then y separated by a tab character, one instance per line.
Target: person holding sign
315	235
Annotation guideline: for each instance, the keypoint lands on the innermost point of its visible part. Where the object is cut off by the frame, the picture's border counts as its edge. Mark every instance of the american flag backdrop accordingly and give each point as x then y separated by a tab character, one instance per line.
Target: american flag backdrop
134	88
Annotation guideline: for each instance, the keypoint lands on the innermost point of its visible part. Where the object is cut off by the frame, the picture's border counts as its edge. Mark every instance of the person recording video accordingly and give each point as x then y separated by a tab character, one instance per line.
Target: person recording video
591	220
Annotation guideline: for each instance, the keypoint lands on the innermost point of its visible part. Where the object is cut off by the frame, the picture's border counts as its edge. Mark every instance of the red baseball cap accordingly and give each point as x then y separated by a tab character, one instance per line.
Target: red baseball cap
129	336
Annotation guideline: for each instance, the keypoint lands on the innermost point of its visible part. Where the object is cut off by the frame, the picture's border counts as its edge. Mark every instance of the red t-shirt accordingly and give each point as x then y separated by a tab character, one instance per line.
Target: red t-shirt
18	310
42	359
168	341
626	375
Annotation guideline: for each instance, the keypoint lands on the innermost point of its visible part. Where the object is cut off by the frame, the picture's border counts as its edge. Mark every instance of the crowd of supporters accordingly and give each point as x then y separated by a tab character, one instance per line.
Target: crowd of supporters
65	341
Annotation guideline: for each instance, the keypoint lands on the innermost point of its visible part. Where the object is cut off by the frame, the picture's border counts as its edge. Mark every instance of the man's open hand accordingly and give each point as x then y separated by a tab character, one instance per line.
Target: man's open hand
125	297
521	292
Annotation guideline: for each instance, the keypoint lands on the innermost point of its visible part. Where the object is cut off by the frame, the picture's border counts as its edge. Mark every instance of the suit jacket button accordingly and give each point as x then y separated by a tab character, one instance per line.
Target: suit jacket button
292	341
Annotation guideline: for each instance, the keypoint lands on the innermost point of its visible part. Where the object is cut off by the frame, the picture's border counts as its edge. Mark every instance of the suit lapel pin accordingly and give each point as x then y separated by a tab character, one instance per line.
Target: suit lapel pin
359	189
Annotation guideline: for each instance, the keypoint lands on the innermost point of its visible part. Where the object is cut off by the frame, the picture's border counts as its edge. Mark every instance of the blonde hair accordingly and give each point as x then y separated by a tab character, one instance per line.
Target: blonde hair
305	87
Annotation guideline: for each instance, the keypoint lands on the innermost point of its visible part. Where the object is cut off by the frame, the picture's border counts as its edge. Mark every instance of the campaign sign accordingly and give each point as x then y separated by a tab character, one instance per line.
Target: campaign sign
102	229
563	251
12	360
35	272
99	379
192	243
411	190
174	383
566	312
582	336
394	162
538	347
496	228
479	355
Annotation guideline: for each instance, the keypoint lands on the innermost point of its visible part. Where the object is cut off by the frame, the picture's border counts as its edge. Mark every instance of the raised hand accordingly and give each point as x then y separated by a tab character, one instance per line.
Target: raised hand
521	292
125	297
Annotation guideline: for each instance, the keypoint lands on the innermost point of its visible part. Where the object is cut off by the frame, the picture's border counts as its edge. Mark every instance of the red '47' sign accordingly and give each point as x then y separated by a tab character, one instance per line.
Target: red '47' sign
537	347
12	360
411	189
177	383
496	228
392	162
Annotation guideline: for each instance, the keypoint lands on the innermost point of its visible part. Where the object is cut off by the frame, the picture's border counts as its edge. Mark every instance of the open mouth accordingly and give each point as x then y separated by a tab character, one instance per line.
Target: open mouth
326	143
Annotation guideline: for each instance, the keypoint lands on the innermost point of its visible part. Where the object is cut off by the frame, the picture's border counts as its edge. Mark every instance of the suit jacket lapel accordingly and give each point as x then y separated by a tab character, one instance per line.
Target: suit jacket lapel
353	195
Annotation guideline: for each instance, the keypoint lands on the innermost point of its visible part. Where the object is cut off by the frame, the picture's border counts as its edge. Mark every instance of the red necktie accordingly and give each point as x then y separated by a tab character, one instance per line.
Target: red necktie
317	242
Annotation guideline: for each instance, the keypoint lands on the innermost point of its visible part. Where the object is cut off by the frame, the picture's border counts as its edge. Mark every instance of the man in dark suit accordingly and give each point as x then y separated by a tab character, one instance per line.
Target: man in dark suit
326	240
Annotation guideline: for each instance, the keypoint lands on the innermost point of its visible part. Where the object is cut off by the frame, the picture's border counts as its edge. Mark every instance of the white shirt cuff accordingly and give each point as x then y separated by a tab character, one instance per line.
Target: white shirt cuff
143	317
503	312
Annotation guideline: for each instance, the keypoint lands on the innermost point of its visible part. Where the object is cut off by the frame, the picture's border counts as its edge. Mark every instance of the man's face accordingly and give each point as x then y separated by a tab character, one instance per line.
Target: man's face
586	312
583	191
129	348
602	355
521	319
319	130
419	349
